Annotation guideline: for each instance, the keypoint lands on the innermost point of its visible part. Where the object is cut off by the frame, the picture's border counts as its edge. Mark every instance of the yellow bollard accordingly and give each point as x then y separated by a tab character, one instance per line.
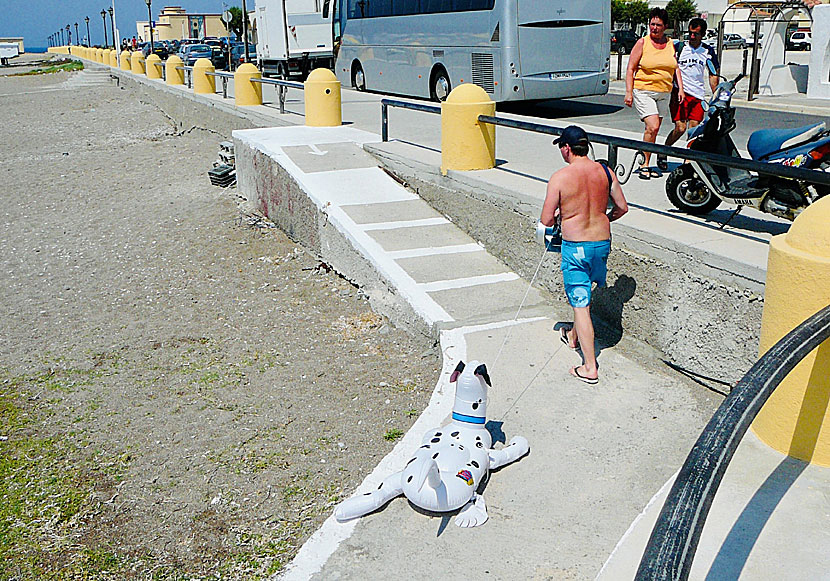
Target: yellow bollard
153	72
322	99
245	92
202	82
795	420
137	62
114	59
174	77
125	60
467	144
105	56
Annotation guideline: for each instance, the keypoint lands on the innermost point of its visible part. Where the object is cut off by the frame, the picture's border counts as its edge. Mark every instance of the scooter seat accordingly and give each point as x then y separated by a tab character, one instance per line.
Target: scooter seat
768	141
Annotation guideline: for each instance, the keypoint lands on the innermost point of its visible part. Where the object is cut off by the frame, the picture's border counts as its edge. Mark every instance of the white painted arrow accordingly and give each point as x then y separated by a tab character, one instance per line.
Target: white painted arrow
316	151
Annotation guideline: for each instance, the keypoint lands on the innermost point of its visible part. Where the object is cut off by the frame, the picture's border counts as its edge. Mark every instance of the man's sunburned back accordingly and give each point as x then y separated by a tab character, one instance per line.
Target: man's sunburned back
583	201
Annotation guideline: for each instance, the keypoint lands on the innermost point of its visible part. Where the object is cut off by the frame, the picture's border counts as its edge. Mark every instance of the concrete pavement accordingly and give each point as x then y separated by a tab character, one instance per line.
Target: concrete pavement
598	454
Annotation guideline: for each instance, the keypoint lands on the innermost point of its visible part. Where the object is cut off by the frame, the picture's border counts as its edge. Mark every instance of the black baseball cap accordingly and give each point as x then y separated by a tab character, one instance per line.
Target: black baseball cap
572	135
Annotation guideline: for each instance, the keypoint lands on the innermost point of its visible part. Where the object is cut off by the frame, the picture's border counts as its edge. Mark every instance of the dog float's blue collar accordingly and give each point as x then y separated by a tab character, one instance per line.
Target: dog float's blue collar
468	419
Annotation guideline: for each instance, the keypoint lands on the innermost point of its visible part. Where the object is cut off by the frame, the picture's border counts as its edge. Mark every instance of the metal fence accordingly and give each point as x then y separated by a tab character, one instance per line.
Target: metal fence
615	143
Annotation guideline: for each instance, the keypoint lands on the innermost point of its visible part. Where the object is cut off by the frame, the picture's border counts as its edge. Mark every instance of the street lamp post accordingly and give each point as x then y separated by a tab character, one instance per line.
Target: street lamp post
245	29
88	40
104	18
69	34
77	36
112	25
150	23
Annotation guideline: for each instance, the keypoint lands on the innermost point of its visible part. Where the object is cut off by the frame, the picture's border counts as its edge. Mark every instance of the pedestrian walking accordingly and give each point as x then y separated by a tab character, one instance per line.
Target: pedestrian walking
648	80
695	59
577	197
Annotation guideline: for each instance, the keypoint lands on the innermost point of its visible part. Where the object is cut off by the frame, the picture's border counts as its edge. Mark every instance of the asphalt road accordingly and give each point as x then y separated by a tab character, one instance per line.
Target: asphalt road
609	111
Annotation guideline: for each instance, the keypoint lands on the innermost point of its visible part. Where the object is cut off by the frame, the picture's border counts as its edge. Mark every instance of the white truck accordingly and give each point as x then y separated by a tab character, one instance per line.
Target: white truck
8	50
294	36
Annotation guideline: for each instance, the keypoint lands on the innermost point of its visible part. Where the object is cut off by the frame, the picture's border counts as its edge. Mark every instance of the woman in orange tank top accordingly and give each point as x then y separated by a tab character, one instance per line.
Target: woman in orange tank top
648	80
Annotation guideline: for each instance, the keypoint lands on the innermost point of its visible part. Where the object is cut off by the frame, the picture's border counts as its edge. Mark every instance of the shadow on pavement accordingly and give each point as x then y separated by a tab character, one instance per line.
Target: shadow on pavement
556	108
738	544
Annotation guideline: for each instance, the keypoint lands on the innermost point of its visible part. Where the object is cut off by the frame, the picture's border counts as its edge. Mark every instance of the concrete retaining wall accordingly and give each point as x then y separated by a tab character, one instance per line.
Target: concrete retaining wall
704	315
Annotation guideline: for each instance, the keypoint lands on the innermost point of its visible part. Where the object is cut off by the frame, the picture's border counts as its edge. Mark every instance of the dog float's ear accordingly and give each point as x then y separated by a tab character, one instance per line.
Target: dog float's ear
458	369
482	371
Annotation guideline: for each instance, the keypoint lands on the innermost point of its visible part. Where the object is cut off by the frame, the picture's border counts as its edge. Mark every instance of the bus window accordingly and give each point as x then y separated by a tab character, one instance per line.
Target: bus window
379	8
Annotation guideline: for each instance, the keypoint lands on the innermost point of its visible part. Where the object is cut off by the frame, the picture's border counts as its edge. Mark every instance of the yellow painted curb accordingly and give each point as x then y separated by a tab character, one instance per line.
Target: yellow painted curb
202	82
467	144
795	420
322	99
246	93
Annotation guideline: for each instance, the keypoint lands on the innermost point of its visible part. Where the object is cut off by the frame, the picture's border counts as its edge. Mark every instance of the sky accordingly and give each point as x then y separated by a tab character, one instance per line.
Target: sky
35	20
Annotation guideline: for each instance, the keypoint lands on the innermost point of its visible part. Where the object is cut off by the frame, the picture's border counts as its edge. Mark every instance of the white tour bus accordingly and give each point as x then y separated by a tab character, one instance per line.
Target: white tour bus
514	49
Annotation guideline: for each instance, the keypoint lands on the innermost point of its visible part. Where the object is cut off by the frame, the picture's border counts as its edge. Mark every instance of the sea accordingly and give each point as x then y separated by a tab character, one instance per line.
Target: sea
37	48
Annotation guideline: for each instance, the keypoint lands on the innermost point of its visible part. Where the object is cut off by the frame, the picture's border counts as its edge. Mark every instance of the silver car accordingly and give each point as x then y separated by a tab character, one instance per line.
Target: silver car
734	41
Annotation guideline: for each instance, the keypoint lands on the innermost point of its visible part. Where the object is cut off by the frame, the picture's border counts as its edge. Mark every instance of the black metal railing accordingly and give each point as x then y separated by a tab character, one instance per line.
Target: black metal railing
674	539
224	76
615	143
282	88
188	73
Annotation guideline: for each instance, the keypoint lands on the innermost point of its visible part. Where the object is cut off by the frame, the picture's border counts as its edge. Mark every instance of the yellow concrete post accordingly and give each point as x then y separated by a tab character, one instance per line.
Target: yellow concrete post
202	82
795	420
467	144
98	55
105	56
153	72
125	60
137	62
114	59
245	92
322	99
174	77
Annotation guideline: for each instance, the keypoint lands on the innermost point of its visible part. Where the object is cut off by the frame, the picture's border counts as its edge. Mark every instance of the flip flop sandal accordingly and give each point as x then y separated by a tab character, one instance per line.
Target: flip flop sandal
563	336
643	173
588	380
654	173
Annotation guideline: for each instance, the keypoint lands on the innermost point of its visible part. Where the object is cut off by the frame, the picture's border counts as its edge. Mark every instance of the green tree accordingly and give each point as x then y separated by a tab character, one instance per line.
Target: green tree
236	21
636	12
680	12
619	9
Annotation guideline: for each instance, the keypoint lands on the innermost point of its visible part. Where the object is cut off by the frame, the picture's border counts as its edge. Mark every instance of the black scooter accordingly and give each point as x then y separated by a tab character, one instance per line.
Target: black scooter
698	188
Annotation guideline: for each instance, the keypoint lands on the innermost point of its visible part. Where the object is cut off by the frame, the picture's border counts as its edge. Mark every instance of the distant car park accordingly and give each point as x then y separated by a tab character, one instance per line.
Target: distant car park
734	41
799	40
237	52
190	53
622	41
159	48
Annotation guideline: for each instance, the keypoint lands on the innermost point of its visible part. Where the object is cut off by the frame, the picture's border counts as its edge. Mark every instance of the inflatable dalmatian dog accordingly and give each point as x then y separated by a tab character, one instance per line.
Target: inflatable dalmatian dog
453	460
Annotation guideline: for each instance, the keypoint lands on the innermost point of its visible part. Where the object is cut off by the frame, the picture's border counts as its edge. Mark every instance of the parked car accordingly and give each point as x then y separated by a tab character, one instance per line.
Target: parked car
159	48
622	41
750	42
799	40
190	53
734	41
219	53
238	52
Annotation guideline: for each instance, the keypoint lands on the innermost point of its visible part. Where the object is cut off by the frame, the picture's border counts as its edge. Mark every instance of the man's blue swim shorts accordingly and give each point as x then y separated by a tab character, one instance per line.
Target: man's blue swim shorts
582	264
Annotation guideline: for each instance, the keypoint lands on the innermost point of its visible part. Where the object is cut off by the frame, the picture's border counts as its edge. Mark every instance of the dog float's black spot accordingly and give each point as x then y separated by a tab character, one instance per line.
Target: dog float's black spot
411	460
409	479
424	446
438	434
460	447
454	434
434	456
478	437
367	494
435	440
474	463
479	445
381	486
475	406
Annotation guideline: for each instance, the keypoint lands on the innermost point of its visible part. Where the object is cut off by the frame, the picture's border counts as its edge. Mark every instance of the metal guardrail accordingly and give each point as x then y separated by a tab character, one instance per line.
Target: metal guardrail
674	539
615	143
282	88
163	68
224	76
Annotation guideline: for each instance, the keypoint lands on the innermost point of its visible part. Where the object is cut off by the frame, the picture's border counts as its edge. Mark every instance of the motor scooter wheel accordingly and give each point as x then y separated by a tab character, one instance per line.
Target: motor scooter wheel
688	193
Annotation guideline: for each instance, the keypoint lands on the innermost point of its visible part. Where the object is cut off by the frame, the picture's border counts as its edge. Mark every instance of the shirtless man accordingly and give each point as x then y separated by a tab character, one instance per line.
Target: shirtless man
578	196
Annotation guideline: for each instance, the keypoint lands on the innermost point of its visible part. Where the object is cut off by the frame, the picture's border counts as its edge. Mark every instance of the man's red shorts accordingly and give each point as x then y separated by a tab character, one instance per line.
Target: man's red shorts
689	110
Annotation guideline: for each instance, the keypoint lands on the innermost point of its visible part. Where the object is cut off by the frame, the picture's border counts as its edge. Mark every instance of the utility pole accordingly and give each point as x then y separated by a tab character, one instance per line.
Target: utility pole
245	28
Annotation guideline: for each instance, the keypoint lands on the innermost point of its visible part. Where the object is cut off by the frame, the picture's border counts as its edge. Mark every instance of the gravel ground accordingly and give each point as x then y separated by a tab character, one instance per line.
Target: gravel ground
181	394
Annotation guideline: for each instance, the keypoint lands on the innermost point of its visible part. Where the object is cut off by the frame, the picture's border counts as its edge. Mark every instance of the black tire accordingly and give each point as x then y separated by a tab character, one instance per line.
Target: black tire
439	85
688	193
358	77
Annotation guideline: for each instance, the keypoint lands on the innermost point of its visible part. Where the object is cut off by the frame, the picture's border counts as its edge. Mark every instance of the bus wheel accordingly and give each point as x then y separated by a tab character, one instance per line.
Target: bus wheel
440	86
358	78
